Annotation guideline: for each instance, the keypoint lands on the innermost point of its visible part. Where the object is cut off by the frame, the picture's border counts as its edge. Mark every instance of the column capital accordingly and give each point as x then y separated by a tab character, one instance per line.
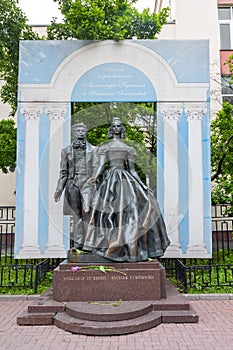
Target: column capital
195	111
31	111
170	111
56	111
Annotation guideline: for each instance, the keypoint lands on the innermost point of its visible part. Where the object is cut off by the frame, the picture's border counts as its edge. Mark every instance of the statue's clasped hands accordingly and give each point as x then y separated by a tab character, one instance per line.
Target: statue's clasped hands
92	181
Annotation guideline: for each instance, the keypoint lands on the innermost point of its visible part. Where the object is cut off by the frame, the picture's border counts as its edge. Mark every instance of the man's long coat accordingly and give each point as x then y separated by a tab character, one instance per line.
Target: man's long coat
67	173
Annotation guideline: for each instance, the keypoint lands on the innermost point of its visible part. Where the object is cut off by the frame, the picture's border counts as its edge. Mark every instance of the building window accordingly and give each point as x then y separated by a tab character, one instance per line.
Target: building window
225	17
227	89
224	13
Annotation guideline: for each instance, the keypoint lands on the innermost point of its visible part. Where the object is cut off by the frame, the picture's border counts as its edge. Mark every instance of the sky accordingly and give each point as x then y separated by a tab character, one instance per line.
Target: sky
42	11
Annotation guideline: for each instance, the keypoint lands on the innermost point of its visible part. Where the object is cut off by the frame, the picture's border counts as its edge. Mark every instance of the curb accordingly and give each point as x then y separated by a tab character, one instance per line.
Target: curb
195	297
7	297
191	297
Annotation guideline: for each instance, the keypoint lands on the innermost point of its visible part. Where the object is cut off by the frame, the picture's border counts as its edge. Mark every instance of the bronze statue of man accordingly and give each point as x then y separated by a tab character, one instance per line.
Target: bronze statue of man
76	167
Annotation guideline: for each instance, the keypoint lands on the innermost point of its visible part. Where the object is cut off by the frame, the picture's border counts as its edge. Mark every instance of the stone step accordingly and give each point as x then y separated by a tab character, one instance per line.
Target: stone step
109	317
108	311
74	325
178	316
46	306
35	319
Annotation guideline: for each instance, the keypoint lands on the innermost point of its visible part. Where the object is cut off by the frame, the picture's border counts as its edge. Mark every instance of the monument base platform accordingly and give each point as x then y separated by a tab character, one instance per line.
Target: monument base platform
121	281
109	306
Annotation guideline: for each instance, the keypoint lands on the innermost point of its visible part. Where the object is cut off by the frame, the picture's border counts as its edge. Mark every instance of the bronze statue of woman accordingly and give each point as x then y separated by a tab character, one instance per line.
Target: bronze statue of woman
125	220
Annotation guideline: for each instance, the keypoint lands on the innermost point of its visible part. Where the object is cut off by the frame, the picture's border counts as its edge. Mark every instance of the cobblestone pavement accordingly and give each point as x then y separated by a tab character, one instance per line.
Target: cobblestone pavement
213	332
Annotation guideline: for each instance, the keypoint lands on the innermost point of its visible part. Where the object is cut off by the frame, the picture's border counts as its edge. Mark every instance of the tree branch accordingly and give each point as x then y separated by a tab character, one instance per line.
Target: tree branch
220	163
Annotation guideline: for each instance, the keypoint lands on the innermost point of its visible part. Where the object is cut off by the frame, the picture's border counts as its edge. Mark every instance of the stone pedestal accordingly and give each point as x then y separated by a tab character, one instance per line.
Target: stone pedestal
132	298
128	282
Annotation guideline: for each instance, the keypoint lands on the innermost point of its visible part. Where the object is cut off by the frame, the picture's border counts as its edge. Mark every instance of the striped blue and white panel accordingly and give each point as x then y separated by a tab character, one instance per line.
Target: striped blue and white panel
184	177
43	130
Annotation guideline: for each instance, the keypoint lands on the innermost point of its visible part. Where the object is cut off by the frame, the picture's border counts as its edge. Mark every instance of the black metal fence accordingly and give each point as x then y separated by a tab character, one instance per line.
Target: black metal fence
27	273
24	275
193	274
7	234
196	275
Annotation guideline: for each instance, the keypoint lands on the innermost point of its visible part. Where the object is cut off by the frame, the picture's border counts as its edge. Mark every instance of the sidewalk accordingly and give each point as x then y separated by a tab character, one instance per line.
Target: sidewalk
213	332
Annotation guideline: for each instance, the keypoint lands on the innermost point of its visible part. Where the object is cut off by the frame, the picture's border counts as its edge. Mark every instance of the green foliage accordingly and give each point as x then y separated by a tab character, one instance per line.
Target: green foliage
13	27
221	156
105	19
209	275
18	276
89	19
213	280
229	63
179	285
16	287
7	145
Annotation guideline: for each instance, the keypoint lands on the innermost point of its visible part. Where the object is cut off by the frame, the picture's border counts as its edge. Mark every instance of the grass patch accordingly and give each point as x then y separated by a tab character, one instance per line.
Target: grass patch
205	276
19	276
42	287
208	276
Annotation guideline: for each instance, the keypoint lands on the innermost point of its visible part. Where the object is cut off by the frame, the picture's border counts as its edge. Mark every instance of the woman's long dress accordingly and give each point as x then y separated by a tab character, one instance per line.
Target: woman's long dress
125	220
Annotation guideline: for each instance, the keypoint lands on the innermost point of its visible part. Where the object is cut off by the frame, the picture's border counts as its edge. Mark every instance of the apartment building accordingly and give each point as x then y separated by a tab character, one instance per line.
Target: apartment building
196	19
225	18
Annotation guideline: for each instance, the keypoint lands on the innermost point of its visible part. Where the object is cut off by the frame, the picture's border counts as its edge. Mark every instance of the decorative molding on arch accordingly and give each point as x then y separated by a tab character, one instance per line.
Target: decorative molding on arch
149	62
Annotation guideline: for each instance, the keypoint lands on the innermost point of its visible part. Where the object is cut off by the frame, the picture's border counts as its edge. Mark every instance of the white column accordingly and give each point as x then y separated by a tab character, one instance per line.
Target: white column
196	246
55	246
171	113
30	247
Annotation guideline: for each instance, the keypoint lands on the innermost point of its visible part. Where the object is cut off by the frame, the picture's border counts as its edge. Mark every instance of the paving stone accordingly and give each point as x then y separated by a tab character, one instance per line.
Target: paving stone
212	332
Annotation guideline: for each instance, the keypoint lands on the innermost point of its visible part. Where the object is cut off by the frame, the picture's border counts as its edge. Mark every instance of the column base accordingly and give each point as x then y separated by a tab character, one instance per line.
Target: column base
173	250
55	251
29	251
197	251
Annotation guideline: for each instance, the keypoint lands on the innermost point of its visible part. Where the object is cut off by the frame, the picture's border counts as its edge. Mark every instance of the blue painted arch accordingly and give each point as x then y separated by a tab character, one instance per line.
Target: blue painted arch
113	81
